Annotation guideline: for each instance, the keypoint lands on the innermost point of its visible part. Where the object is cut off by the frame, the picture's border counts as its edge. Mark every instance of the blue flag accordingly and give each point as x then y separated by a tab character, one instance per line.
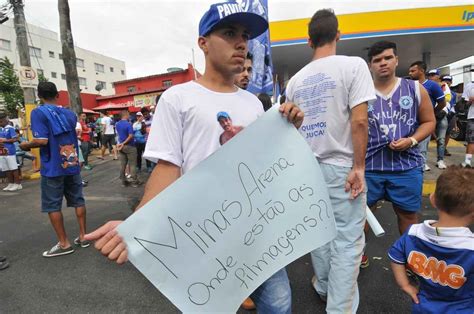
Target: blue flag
262	67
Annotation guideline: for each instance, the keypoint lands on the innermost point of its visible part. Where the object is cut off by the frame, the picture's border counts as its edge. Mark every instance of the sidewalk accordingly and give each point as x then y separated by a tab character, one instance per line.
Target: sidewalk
458	151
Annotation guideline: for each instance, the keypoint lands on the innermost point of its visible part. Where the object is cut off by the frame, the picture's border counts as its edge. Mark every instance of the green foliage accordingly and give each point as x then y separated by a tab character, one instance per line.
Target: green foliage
42	78
11	93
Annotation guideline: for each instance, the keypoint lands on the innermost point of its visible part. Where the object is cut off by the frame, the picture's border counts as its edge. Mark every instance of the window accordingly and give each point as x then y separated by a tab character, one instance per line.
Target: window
101	85
5	44
79	63
82	81
54	75
99	67
167	83
111	69
60	56
51	54
63	76
131	89
122	71
35	52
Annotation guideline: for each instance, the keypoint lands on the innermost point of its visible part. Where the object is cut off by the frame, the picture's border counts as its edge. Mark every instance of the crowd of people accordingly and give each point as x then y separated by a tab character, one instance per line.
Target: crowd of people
367	128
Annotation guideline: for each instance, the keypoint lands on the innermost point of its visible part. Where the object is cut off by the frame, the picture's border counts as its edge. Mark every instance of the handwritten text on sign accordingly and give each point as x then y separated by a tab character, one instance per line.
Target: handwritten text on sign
257	204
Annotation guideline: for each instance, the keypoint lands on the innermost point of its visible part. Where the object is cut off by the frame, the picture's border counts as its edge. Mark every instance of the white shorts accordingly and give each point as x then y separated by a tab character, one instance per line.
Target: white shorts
8	163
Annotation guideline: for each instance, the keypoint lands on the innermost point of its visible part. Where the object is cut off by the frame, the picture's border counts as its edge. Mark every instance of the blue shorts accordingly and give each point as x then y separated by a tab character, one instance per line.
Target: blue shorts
402	188
54	188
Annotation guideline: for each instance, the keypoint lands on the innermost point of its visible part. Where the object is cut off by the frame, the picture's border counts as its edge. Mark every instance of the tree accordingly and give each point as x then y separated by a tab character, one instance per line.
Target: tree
42	78
10	89
69	56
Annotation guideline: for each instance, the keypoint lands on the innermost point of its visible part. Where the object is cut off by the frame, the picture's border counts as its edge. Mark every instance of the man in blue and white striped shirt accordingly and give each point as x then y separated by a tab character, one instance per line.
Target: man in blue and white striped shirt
400	117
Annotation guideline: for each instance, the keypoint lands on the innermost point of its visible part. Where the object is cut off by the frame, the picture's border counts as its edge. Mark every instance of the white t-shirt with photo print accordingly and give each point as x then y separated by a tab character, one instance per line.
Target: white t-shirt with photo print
185	129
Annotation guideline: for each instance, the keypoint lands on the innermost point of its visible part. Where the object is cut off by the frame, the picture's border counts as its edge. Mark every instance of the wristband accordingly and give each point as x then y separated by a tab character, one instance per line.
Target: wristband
414	142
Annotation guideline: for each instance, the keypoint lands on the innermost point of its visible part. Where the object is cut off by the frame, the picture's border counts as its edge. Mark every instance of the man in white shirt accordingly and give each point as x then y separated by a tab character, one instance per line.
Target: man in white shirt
468	95
185	130
108	139
333	91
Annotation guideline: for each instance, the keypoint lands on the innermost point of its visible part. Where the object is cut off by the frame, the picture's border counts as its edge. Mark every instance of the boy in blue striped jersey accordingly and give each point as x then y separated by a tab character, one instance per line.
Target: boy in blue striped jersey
400	117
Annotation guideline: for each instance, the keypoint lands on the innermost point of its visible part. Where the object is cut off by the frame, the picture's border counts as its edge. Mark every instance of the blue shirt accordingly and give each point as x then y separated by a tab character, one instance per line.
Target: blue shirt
138	136
443	260
124	129
434	90
393	117
8	132
60	156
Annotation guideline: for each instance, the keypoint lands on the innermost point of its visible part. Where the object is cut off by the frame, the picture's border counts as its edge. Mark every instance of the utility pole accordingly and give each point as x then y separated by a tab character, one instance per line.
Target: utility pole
22	44
28	92
69	57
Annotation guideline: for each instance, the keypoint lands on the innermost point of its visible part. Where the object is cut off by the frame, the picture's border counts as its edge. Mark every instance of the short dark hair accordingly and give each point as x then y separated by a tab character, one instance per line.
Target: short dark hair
379	47
3	115
419	64
47	90
144	110
322	29
454	193
266	101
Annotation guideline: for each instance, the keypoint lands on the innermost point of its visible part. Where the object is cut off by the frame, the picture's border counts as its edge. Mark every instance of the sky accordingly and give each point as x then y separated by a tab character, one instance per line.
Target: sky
153	35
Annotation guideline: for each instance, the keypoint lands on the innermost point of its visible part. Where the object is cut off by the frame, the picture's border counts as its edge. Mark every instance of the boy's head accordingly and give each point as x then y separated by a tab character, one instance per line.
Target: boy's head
383	59
3	119
323	28
454	192
47	91
224	31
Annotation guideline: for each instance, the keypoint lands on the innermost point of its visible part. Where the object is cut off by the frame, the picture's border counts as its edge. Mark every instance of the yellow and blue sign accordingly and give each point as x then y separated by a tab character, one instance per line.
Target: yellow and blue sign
383	23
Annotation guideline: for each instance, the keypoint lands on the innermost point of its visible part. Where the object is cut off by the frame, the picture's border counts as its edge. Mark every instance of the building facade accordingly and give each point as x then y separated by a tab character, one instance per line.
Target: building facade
145	91
94	69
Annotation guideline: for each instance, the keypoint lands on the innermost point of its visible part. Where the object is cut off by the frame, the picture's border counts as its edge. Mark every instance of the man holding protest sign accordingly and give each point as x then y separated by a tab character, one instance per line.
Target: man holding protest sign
333	91
185	130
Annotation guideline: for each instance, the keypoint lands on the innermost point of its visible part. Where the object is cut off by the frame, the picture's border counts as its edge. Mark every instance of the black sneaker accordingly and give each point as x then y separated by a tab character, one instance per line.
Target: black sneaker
57	250
80	243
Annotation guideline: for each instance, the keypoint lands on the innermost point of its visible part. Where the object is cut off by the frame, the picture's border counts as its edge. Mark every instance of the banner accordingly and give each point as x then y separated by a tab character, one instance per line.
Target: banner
251	208
262	67
145	100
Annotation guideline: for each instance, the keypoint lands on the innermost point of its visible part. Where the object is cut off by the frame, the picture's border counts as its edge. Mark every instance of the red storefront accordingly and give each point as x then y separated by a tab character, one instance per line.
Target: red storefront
141	92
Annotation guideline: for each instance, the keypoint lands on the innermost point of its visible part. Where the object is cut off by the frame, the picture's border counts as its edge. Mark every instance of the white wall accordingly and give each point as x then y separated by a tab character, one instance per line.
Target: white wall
48	41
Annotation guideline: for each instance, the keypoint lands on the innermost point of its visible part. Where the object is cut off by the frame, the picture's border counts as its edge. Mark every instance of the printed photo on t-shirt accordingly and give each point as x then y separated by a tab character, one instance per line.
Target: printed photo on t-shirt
230	130
68	156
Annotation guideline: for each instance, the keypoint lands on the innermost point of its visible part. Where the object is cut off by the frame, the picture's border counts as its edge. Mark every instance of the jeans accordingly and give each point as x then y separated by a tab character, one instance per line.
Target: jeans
128	155
441	128
86	150
274	295
423	145
336	264
140	149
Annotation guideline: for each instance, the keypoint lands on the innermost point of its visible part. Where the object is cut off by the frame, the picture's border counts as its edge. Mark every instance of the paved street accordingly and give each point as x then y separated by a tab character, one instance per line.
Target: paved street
86	282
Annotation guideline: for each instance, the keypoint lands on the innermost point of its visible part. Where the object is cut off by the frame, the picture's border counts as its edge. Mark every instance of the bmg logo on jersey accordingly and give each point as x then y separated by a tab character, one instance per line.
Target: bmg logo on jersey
437	271
406	102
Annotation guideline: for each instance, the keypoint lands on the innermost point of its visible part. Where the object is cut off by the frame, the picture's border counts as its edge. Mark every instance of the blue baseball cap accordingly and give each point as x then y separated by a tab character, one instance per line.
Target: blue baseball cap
433	72
230	13
222	114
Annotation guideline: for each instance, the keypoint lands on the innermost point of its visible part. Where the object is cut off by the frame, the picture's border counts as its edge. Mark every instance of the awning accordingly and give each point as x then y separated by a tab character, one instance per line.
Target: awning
89	111
111	105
